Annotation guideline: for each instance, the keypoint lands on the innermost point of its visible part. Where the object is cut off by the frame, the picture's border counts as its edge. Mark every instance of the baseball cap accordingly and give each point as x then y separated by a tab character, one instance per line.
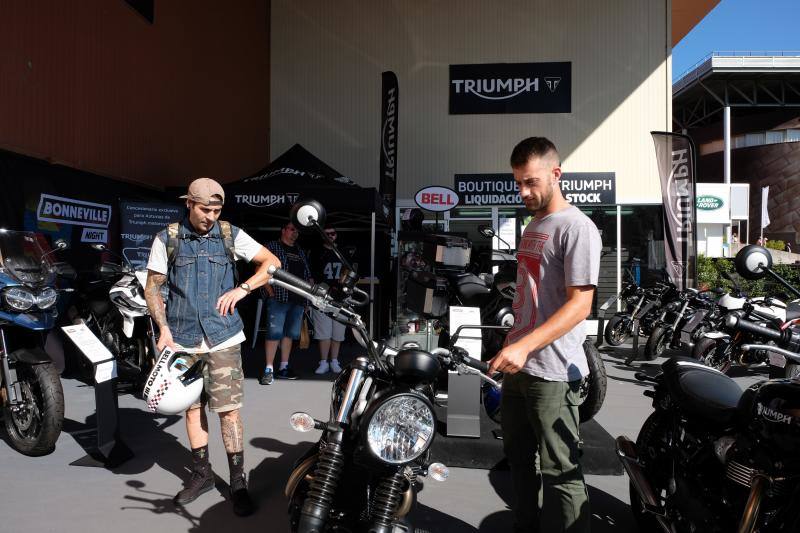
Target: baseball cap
203	190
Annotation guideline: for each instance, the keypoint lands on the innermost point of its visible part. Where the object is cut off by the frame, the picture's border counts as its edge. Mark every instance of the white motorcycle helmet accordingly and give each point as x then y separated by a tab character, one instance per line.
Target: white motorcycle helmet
173	385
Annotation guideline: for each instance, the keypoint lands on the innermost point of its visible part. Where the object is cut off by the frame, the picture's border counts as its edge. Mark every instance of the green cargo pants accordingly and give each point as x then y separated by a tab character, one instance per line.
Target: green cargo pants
540	416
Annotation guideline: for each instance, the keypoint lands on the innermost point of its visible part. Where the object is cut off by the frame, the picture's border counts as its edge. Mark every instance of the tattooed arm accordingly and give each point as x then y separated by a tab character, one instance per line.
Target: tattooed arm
155	304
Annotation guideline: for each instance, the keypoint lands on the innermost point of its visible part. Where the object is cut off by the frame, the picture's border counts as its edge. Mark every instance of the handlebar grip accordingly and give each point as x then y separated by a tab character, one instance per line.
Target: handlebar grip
481	366
733	321
291	279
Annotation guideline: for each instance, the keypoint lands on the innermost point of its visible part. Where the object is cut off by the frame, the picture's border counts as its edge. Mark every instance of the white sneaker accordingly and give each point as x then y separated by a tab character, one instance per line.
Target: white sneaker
335	368
323	368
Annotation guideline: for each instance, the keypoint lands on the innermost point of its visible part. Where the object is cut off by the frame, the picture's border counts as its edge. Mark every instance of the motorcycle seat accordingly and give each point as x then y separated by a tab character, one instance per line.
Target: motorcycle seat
702	391
471	287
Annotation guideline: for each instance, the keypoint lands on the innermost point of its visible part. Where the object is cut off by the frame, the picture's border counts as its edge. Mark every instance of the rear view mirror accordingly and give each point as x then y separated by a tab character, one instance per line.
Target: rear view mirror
307	213
486	231
753	261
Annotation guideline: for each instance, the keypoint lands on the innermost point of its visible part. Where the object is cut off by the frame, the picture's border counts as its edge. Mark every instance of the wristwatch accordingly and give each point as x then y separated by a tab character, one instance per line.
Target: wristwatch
246	287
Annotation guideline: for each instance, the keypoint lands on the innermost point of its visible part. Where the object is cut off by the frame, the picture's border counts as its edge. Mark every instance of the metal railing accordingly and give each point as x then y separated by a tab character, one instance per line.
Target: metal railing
694	72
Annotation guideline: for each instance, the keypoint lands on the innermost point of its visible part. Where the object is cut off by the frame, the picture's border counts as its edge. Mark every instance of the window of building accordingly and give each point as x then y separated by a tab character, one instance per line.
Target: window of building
774	137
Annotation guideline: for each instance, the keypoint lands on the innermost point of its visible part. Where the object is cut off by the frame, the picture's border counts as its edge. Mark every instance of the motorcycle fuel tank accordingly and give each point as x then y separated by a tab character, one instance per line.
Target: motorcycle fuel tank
773	408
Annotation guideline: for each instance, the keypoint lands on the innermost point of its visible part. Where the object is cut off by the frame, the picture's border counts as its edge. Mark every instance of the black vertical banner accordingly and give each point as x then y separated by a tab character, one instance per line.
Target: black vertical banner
389	116
676	167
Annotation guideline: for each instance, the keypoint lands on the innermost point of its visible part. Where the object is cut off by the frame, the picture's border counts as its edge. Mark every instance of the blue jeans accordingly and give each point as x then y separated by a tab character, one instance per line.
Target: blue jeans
283	320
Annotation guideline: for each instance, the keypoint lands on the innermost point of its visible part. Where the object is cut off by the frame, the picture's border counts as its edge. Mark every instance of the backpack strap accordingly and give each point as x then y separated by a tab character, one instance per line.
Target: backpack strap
227	239
172	242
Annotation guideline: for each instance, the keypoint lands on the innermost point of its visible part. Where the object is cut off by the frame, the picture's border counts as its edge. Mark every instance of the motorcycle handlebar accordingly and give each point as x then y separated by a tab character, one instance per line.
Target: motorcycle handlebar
282	275
481	366
735	322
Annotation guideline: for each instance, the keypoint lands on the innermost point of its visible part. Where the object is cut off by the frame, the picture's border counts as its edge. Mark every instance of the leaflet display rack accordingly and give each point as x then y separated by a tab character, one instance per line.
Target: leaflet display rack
109	451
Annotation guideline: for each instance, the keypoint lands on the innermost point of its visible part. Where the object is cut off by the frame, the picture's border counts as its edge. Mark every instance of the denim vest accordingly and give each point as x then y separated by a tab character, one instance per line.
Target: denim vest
199	275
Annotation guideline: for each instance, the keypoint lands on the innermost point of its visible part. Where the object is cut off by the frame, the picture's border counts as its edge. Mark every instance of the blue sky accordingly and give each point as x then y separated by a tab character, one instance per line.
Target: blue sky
740	25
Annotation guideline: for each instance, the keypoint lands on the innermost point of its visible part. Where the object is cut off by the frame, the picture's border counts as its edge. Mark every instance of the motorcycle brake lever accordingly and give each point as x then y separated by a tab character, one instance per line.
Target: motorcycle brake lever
464	369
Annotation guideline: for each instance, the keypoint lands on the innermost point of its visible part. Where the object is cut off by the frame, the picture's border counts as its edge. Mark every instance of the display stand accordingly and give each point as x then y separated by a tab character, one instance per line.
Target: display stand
110	451
635	349
463	390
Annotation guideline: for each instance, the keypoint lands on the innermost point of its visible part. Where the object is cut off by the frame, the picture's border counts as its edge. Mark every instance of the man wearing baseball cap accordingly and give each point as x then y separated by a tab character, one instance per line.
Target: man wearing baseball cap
196	259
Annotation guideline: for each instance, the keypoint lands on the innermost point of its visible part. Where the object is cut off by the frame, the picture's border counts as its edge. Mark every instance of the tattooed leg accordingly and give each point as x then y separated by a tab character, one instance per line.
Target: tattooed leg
232	431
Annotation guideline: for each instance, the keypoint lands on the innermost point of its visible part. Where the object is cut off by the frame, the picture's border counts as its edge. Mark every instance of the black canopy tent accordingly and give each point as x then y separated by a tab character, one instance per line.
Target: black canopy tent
261	203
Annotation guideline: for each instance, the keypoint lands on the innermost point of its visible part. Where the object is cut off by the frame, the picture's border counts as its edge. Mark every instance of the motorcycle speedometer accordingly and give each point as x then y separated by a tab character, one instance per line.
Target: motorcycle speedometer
19	299
401	429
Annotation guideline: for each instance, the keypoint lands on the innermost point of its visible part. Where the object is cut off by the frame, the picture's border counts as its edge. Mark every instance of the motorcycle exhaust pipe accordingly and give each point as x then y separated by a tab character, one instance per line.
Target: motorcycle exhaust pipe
629	457
757	490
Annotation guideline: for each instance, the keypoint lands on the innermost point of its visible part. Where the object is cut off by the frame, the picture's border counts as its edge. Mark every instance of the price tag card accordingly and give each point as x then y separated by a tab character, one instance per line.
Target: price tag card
94	350
470	339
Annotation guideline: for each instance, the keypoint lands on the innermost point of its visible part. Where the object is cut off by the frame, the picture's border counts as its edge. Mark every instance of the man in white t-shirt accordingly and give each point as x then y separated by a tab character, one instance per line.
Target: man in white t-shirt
196	259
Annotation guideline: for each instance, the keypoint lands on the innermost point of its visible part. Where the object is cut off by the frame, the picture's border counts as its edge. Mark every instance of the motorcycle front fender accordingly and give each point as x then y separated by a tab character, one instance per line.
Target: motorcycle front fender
31	356
127	326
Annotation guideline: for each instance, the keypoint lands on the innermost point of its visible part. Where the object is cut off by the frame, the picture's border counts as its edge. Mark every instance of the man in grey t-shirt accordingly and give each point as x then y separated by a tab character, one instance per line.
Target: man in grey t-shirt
543	358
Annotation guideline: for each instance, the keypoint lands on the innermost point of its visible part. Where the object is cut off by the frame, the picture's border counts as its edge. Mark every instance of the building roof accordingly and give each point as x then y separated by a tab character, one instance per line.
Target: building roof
756	79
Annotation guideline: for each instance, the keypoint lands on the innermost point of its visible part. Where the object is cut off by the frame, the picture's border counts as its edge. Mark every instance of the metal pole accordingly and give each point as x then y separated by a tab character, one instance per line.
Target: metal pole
372	276
619	253
727	144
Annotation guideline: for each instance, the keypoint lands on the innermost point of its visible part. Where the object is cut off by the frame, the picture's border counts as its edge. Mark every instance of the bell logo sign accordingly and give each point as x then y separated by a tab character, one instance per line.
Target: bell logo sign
436	198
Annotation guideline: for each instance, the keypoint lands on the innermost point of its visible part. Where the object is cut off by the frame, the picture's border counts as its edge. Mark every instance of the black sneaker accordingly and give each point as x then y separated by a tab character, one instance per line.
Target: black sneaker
242	503
266	378
286	373
200	483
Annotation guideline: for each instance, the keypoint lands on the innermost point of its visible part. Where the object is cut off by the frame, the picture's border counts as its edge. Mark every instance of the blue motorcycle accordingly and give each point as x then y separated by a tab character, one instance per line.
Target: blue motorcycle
31	395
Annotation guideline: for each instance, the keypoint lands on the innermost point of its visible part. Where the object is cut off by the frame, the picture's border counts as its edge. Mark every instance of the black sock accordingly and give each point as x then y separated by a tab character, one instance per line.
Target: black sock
200	458
236	466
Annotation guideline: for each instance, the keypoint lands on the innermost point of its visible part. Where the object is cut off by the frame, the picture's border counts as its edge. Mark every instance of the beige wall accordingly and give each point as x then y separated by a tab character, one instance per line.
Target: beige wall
327	59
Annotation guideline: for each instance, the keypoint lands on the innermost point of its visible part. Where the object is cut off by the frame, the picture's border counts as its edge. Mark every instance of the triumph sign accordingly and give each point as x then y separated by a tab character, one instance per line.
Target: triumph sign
675	156
267	200
388	155
511	88
579	188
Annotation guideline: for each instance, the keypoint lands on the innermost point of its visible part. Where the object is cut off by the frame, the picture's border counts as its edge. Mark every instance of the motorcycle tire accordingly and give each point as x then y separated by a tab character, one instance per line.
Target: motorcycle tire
594	387
28	433
617	330
656	343
706	352
651	446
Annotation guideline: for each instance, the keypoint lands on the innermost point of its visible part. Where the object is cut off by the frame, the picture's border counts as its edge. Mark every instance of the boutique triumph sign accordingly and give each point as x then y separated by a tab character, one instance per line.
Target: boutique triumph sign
511	88
579	188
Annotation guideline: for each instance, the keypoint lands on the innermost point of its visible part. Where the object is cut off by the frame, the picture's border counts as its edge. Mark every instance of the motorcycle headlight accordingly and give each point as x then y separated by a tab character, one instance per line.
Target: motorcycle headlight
19	299
47	298
401	429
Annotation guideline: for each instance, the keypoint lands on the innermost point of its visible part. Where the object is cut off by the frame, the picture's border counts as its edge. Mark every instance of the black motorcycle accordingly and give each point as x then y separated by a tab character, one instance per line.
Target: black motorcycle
642	304
713	458
677	327
364	472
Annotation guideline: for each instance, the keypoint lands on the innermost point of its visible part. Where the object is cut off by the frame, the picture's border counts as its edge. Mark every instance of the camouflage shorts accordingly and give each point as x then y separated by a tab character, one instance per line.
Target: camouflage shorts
222	380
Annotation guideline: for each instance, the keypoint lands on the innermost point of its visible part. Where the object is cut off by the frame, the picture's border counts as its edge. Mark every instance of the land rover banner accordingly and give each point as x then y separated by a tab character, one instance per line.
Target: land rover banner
511	88
388	156
675	157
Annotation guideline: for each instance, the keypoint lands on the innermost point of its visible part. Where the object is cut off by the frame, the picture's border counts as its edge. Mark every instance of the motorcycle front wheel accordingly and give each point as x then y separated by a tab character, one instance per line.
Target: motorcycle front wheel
708	352
651	446
657	342
617	330
33	428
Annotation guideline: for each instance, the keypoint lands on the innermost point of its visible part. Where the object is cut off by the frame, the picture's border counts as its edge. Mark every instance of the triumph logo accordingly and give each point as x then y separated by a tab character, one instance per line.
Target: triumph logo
679	267
774	416
496	89
267	200
552	83
388	135
680	209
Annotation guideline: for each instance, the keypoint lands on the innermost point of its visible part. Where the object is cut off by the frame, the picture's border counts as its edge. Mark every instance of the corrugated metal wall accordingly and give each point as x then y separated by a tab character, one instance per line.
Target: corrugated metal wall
92	85
327	59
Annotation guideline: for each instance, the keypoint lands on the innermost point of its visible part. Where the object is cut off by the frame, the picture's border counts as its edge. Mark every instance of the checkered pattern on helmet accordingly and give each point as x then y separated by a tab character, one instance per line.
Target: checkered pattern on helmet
154	400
